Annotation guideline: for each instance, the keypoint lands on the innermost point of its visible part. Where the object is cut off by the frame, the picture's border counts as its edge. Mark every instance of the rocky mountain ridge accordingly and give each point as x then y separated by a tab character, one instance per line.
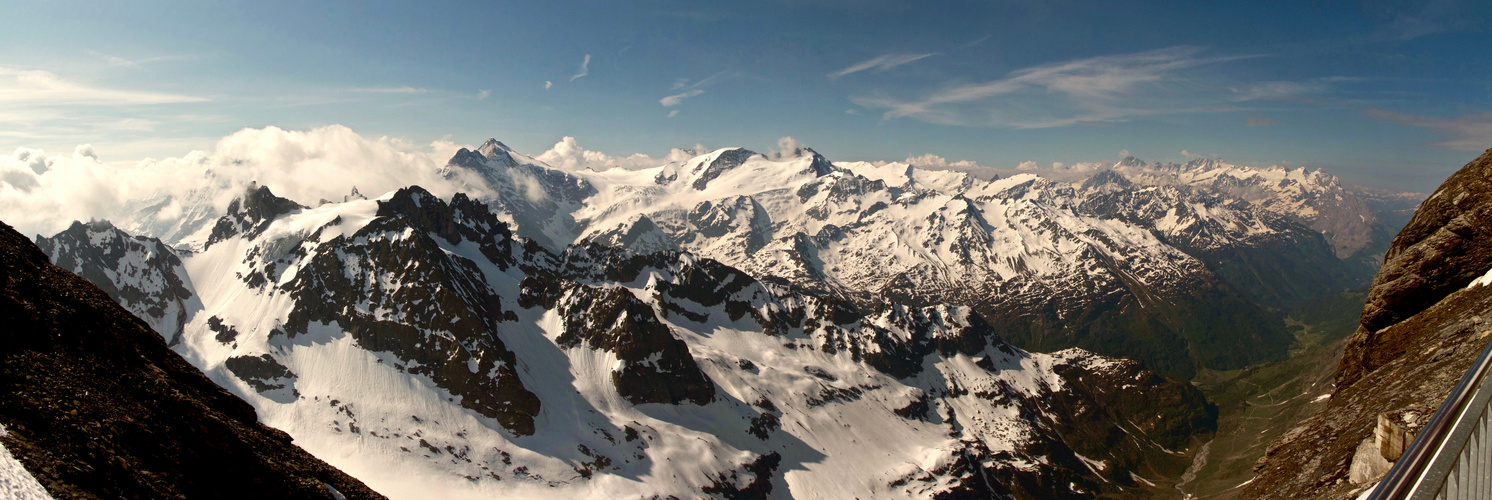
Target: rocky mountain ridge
781	292
1156	262
431	337
97	406
1108	263
1425	320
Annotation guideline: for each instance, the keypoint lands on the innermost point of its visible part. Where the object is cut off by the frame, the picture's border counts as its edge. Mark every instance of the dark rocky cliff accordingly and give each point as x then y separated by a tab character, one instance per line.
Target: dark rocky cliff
1421	328
97	406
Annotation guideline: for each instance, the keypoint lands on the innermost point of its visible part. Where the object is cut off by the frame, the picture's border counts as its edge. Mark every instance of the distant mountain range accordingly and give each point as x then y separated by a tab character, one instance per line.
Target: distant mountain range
739	324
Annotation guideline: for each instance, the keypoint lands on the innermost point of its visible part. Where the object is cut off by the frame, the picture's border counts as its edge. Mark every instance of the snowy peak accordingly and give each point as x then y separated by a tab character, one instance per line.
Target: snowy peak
1108	181
491	154
468	159
497	153
494	149
140	273
1315	199
710	167
251	214
638	234
820	166
429	338
539	202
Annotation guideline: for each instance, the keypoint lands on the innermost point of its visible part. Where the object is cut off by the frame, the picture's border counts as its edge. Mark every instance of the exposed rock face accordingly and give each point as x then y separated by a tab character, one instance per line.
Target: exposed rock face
440	314
1137	239
726	160
503	365
1175	265
1421	328
140	272
1443	248
654	366
1312	198
537	202
251	214
96	405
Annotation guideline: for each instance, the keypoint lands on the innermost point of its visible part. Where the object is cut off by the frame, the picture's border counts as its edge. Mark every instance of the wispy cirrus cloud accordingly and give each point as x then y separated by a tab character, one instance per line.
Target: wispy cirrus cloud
114	61
879	64
1419	19
692	89
676	99
1310	90
1090	91
973	43
37	87
1472	132
390	90
585	68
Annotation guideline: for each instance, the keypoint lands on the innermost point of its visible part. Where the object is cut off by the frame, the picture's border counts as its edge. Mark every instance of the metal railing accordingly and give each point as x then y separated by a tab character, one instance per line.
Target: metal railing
1451	458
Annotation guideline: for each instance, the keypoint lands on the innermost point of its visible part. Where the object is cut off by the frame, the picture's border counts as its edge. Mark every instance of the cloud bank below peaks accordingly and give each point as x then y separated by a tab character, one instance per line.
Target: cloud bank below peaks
41	193
567	154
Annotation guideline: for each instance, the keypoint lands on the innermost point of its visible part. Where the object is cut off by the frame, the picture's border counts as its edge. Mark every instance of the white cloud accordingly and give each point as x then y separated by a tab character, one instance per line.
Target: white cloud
390	90
482	94
693	89
548	84
533	191
675	99
113	61
1057	165
673	113
1124	153
568	155
1027	165
1280	90
1260	122
305	166
1085	91
788	146
932	161
34	159
1189	154
879	64
1417	19
1471	132
974	42
585	68
119	61
42	87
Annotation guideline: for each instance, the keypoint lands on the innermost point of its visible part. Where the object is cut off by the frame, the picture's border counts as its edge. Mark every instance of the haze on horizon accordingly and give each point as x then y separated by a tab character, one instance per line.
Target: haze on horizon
1382	94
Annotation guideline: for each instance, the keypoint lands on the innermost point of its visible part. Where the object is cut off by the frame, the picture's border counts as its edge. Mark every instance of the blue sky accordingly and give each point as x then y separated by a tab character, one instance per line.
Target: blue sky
1384	94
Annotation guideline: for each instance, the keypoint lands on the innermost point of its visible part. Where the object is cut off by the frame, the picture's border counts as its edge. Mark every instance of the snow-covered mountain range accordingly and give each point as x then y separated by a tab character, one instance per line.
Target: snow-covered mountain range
737	323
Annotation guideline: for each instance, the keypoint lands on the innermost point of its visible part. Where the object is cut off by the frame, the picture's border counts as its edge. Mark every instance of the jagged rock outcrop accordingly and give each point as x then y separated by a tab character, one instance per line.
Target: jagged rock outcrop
1424	322
140	272
97	406
394	288
1442	249
250	214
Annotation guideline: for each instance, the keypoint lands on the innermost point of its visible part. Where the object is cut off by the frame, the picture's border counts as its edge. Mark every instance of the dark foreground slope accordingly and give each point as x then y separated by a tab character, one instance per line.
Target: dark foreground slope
1421	328
97	407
